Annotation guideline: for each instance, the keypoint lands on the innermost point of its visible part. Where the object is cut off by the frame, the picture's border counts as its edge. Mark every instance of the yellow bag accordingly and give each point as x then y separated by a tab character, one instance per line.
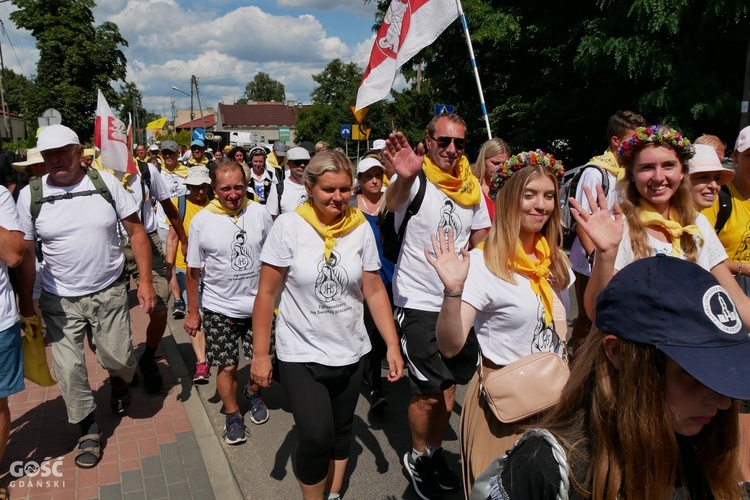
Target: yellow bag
35	366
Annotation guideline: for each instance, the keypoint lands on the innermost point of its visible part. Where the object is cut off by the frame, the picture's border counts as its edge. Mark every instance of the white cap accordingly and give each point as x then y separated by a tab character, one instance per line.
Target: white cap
706	160
368	163
378	144
56	136
154	147
197	176
743	140
297	153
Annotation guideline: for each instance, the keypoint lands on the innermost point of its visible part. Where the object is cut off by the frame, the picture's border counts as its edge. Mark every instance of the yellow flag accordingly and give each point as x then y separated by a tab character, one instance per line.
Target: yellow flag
157	124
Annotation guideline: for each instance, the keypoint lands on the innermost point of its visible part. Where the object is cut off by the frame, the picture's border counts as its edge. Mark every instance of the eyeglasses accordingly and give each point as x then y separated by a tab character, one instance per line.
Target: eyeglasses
444	142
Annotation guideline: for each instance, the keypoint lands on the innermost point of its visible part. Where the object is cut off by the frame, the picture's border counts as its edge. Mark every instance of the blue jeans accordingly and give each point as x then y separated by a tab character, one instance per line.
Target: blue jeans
181	277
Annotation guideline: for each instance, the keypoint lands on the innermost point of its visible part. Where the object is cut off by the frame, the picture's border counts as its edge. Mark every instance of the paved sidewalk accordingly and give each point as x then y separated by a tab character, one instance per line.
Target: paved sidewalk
163	447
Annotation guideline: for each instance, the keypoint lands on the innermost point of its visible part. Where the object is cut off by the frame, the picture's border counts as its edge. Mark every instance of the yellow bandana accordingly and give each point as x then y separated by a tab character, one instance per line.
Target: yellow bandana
181	170
460	185
650	217
352	218
608	161
215	207
537	271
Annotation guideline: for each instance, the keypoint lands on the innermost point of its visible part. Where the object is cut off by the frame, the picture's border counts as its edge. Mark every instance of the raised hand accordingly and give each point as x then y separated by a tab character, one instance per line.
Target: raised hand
405	161
604	231
451	270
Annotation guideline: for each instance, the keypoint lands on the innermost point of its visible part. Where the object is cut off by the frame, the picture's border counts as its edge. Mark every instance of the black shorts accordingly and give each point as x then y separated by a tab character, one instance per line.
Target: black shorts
429	371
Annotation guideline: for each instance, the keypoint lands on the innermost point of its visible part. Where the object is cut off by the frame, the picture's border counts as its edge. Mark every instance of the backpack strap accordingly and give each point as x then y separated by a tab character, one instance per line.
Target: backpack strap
725	208
413	207
182	206
37	193
279	192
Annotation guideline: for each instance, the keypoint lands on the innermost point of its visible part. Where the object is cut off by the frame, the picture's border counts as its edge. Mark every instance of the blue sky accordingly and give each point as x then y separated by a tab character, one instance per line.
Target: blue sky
223	43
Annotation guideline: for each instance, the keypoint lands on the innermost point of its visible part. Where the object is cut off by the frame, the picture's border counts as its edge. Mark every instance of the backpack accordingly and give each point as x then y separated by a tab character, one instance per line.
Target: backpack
38	199
145	183
725	208
391	239
567	191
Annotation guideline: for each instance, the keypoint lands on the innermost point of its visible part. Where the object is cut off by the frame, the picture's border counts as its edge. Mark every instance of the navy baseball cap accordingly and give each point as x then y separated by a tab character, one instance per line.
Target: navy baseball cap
680	308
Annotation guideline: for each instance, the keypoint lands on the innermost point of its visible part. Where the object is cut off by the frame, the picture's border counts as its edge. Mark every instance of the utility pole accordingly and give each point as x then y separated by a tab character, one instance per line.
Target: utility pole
174	112
193	84
6	110
744	115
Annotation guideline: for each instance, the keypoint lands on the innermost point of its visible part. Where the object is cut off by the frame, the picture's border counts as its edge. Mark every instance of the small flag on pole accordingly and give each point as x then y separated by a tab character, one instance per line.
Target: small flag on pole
157	124
111	137
408	27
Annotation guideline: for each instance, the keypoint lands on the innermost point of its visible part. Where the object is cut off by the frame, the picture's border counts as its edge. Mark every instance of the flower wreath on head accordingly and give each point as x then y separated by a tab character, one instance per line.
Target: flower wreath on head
657	135
519	161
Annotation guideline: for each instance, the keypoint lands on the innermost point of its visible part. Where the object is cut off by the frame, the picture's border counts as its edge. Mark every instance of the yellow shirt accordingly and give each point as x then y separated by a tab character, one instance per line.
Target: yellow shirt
735	236
190	210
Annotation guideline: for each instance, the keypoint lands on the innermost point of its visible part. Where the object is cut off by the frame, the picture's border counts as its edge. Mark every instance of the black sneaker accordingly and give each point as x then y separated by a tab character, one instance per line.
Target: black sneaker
152	379
178	309
422	475
446	478
377	400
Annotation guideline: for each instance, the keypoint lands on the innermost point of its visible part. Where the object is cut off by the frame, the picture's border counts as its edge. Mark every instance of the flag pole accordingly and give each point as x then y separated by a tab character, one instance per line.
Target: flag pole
474	66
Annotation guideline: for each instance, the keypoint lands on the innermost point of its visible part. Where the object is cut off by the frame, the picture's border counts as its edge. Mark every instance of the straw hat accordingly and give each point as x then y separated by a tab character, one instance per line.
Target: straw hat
33	157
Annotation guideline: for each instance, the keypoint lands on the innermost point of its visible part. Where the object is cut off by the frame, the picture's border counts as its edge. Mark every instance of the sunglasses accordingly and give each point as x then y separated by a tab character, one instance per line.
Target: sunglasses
444	142
299	163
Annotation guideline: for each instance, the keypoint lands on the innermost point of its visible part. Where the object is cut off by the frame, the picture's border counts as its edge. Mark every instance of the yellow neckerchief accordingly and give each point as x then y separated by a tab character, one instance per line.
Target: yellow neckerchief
608	161
350	220
460	185
215	207
650	217
537	271
194	163
180	170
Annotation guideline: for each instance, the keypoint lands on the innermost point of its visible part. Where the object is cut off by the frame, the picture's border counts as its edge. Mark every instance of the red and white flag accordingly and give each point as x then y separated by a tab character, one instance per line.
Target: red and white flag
408	27
111	137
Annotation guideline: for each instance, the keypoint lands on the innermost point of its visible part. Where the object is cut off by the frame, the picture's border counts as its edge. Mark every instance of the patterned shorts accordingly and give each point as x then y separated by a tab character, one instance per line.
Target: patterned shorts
224	335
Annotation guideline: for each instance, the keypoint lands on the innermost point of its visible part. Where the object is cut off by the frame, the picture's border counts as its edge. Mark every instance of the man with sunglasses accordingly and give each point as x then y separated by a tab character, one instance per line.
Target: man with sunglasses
452	201
197	154
291	193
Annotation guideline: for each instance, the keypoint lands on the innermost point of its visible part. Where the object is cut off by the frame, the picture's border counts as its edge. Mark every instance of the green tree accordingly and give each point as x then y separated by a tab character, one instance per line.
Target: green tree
264	88
76	58
17	87
130	102
332	98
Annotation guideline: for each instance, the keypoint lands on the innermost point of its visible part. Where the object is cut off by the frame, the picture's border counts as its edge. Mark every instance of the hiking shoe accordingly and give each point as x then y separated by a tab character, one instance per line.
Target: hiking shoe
446	478
178	309
152	380
258	410
202	373
120	395
377	400
235	431
422	476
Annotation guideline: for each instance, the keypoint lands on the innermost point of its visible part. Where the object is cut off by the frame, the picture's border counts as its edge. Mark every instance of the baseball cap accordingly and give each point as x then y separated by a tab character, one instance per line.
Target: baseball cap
743	140
197	176
33	157
679	308
56	136
198	143
154	147
170	146
281	149
367	163
706	160
295	154
378	144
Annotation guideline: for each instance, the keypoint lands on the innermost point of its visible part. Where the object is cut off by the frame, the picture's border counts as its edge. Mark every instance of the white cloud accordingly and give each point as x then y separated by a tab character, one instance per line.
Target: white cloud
356	6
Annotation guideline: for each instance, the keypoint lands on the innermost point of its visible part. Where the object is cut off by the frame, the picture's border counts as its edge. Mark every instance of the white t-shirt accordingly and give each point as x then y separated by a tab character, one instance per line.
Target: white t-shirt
229	258
147	209
293	196
175	187
510	318
416	284
711	254
79	235
321	314
8	221
591	177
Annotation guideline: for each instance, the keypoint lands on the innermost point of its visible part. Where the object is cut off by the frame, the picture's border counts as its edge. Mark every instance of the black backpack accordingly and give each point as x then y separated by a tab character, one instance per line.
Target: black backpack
391	239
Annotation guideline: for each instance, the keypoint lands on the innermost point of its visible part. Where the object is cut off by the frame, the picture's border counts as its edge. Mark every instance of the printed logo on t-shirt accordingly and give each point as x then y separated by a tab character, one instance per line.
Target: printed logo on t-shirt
242	254
545	338
742	254
302	199
332	279
448	219
175	186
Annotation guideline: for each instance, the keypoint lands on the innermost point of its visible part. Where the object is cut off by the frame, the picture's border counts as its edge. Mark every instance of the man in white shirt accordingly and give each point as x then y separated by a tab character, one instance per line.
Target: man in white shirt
291	193
83	285
261	179
452	200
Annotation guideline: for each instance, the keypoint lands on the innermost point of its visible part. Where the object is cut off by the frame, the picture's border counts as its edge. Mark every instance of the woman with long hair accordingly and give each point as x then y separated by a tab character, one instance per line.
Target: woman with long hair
491	157
323	259
506	291
659	215
650	409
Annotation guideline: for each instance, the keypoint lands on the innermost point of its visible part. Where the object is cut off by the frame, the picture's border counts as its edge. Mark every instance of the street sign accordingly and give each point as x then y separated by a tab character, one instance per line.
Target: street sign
199	134
444	108
284	134
360	133
346	131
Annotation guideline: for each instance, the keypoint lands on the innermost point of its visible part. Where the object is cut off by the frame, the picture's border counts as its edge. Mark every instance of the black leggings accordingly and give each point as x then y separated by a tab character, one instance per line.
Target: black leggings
323	414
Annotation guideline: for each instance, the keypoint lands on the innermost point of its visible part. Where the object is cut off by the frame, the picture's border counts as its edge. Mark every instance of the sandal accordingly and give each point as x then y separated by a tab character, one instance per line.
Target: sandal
120	395
85	451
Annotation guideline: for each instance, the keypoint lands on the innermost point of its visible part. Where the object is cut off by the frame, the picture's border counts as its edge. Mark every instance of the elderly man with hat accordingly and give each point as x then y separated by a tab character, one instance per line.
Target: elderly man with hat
290	193
73	209
197	154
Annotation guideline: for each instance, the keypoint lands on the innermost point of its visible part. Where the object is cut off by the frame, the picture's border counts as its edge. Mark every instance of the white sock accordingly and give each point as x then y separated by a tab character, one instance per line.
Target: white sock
416	454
